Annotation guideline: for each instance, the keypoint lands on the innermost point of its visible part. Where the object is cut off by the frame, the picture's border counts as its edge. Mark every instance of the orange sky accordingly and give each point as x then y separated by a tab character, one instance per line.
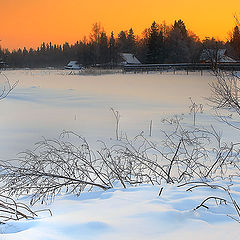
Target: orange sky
30	22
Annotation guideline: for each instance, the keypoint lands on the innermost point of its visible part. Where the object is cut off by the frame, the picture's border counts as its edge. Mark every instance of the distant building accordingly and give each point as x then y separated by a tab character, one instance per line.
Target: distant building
73	65
2	64
215	56
129	58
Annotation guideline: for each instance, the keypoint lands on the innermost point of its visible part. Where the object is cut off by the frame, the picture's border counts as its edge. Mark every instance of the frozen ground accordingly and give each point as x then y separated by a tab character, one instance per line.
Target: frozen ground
44	103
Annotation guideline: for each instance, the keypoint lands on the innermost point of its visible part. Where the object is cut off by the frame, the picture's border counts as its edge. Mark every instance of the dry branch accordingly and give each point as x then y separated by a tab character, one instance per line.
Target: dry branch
6	87
13	210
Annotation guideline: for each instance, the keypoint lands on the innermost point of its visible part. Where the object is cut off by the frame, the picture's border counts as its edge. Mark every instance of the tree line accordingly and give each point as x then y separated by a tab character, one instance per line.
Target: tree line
160	43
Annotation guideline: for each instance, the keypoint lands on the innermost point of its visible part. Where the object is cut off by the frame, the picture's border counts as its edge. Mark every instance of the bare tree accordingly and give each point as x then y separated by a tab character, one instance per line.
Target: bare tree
225	92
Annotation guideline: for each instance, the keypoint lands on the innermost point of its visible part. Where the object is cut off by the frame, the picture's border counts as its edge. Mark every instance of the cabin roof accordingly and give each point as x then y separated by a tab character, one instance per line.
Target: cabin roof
130	58
219	55
73	63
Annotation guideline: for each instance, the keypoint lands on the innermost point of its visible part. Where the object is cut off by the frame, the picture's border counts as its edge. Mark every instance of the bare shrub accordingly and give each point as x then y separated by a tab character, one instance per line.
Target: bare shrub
13	210
54	166
229	199
194	109
225	98
69	165
117	118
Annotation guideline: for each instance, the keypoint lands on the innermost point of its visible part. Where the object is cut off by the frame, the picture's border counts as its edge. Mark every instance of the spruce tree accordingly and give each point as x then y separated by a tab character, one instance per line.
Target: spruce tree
155	44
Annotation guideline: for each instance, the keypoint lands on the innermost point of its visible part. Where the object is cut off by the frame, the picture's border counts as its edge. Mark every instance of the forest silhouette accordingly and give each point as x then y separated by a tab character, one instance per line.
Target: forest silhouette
160	43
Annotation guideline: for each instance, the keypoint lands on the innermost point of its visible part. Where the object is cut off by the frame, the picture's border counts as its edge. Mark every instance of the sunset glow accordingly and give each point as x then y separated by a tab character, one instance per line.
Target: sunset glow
30	22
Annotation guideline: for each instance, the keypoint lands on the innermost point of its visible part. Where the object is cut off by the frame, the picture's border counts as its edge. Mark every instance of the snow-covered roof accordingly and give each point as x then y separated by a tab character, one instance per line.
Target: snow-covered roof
129	58
218	55
227	59
73	65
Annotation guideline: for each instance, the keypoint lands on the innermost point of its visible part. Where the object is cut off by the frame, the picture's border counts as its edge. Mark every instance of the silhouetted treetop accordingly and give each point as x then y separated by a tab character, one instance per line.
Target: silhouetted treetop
159	43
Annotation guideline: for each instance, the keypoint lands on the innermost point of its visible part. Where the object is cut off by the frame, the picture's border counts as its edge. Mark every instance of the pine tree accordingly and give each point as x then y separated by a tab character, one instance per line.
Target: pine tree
103	48
179	44
122	43
112	49
180	26
155	44
131	41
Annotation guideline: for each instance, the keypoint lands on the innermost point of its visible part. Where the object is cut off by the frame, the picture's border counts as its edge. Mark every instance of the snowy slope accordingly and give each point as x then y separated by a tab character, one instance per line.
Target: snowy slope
133	213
